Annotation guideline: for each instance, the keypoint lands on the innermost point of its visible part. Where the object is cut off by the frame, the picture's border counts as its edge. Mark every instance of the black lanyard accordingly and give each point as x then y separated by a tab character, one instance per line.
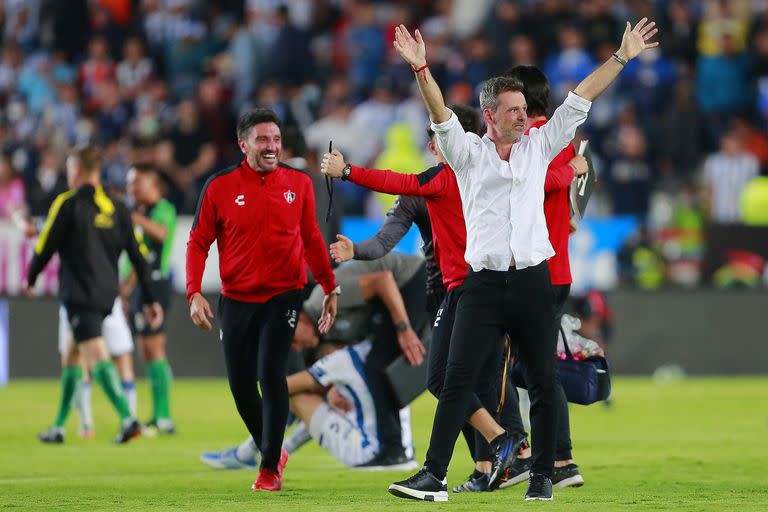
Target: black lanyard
329	188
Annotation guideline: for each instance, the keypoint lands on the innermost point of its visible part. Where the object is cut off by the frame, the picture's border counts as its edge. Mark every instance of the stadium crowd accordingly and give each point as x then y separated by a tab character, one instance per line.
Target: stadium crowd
678	140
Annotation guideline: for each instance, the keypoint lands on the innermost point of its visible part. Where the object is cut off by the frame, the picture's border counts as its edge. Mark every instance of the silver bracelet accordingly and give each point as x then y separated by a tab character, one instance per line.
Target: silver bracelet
618	59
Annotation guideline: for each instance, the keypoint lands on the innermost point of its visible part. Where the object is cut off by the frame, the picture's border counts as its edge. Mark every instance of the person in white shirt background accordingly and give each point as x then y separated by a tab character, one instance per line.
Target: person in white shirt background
507	290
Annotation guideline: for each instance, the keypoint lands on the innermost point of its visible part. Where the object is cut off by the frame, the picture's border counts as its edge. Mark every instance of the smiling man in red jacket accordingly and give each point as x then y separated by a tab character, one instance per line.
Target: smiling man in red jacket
262	215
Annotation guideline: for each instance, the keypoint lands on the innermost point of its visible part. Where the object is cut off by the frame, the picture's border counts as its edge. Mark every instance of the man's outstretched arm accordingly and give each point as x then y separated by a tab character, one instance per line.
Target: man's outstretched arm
633	43
413	51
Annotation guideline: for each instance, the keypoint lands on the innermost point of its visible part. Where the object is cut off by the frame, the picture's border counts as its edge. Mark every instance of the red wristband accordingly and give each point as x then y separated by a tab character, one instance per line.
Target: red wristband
422	68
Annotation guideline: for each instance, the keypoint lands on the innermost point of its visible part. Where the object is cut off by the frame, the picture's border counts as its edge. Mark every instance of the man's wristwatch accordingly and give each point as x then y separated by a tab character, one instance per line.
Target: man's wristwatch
345	172
336	291
402	326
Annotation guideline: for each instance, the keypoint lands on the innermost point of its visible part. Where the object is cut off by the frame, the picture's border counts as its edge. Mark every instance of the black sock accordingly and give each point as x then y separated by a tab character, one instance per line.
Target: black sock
440	475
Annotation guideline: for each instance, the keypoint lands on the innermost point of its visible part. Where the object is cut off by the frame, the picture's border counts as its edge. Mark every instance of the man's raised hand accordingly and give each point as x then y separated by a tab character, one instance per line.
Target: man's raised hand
413	51
635	40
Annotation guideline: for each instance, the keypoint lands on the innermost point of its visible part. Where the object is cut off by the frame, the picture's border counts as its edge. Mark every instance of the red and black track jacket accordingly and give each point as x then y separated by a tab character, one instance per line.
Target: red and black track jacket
265	227
557	211
439	188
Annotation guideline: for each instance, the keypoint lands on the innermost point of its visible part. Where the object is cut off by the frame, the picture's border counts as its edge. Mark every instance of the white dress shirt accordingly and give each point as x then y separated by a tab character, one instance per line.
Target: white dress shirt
503	200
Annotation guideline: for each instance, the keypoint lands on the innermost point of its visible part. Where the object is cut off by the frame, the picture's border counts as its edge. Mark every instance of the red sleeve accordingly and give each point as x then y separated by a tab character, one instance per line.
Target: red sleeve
425	184
201	236
314	246
558	178
559	173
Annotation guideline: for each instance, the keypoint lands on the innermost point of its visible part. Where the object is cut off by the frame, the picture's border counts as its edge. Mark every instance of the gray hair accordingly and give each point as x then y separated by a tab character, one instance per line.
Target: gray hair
489	94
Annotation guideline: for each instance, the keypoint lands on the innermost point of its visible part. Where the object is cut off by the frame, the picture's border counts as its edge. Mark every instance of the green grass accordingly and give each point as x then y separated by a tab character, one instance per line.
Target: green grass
697	444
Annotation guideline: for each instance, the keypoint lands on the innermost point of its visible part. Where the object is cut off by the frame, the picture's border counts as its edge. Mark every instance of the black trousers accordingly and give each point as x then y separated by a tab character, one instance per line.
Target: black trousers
519	303
257	339
385	349
510	418
485	392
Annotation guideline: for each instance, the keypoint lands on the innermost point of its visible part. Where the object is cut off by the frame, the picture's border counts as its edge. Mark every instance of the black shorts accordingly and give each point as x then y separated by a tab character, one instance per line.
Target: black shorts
85	323
162	290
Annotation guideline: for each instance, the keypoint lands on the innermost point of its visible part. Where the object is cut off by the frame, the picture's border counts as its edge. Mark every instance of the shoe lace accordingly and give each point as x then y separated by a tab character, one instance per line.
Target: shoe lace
422	472
536	483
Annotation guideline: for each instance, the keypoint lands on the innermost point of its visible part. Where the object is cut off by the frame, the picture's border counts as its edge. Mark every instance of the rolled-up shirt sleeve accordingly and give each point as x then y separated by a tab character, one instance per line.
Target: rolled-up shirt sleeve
561	127
456	144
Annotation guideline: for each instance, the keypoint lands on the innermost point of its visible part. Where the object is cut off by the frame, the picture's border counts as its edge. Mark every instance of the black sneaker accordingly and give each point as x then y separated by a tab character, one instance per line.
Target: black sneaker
421	486
128	431
539	488
391	461
518	472
567	476
54	435
505	454
474	484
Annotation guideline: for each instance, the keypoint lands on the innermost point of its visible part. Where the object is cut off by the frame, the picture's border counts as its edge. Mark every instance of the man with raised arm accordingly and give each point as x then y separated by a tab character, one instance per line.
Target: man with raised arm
507	290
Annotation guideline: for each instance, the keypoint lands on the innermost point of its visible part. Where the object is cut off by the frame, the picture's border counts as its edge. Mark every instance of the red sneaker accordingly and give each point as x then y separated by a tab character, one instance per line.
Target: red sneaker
268	480
282	462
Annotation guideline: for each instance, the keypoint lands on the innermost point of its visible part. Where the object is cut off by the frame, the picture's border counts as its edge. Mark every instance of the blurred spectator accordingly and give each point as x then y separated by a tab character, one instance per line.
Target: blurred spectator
648	80
723	19
295	64
755	141
680	133
365	45
569	66
270	95
356	141
248	60
22	21
629	174
522	51
679	34
218	120
722	88
598	24
96	70
63	115
505	20
378	111
726	173
10	69
11	190
114	115
70	25
135	71
36	84
187	155
48	181
262	19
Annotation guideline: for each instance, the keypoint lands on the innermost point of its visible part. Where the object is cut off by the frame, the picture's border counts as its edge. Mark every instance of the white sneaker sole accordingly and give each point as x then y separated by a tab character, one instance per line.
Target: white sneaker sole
538	499
522	477
574	481
413	494
405	466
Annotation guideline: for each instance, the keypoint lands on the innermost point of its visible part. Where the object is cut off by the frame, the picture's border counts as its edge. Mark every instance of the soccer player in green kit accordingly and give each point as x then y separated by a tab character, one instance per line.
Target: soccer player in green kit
155	221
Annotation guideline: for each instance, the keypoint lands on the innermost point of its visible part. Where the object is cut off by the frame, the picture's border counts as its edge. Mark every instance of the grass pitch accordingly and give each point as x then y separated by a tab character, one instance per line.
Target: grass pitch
697	444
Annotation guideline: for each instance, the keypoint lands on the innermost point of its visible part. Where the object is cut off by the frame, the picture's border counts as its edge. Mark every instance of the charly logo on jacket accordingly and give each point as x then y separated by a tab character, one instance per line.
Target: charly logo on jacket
289	196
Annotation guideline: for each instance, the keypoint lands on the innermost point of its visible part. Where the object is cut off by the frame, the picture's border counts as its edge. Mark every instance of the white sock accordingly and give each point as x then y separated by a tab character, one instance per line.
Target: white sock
525	408
247	449
83	405
129	388
298	438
